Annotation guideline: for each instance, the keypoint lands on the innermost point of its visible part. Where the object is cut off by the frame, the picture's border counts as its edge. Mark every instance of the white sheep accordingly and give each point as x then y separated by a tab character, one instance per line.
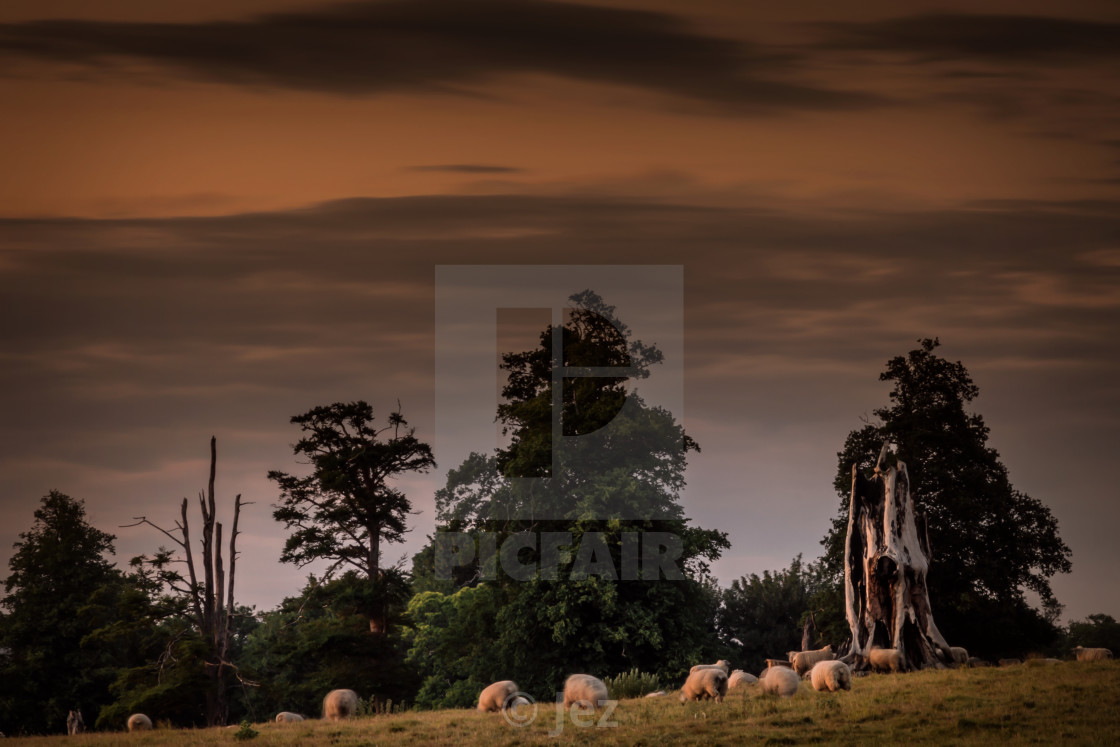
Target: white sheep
1091	654
886	660
831	675
705	683
723	664
781	681
958	655
803	661
287	717
740	678
585	690
340	704
139	722
494	697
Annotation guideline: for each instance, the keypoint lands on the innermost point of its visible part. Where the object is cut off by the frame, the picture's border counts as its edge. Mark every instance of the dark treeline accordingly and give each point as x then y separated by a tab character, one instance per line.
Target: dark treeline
77	631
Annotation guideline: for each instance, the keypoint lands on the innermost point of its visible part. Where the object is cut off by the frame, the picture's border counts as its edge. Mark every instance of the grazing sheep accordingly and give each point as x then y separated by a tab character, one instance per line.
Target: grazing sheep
287	717
494	697
803	661
74	723
781	681
139	722
886	660
723	664
740	678
340	704
831	676
585	690
705	683
1091	654
976	661
958	655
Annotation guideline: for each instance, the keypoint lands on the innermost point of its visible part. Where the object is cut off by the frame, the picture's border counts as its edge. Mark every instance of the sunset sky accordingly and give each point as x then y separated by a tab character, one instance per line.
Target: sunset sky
217	215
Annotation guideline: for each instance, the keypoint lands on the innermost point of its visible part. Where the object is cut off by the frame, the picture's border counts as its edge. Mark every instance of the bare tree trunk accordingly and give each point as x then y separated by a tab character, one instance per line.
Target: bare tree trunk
886	560
212	609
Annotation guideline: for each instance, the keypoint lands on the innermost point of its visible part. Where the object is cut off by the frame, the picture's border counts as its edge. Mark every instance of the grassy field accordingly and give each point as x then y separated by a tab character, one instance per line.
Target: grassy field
1069	703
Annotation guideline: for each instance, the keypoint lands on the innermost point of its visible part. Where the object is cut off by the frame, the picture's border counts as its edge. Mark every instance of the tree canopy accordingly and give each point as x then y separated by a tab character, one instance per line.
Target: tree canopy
991	543
347	506
621	478
60	564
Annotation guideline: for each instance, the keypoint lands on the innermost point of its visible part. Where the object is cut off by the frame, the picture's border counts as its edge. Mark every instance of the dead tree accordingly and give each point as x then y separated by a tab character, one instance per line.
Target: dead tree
210	601
886	560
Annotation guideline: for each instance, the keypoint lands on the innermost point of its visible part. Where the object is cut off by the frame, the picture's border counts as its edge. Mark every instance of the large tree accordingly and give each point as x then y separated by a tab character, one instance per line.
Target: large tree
60	564
990	543
620	481
348	507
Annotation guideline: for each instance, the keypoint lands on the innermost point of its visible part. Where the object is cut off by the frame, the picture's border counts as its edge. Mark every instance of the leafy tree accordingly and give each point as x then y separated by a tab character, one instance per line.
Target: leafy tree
60	564
319	640
612	482
991	543
763	616
347	507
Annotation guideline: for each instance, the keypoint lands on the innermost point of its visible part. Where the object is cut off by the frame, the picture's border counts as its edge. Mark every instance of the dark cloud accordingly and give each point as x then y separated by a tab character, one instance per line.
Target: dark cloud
442	46
468	168
957	36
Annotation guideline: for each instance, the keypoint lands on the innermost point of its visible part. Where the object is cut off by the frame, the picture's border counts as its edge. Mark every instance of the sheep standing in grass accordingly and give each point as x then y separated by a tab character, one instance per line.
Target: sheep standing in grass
781	681
139	722
831	676
958	655
705	683
1091	654
340	704
886	660
494	697
74	723
723	664
739	678
287	717
585	690
803	661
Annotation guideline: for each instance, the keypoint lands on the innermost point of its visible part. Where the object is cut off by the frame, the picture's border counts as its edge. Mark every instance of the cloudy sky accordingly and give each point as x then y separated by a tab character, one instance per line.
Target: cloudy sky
216	215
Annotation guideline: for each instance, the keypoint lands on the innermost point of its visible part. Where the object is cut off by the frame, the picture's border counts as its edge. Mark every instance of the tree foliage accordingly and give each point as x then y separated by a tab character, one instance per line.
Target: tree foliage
347	506
625	478
991	543
59	566
319	640
763	617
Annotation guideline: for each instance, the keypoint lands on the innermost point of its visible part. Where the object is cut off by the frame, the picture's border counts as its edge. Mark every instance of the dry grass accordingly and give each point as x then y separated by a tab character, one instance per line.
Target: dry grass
1075	703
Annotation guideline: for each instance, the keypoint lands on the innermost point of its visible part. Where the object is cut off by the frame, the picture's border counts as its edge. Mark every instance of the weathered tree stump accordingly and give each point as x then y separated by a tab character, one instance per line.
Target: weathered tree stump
886	559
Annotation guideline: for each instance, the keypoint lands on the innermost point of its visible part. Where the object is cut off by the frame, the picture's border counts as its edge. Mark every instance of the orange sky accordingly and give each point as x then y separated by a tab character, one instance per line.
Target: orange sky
835	183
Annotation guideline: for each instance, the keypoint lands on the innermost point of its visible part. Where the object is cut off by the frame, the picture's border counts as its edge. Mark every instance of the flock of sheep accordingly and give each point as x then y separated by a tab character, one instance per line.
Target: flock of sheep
821	668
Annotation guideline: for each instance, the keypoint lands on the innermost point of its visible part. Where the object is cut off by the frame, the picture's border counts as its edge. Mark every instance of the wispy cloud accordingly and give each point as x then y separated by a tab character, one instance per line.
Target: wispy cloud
963	36
467	168
443	47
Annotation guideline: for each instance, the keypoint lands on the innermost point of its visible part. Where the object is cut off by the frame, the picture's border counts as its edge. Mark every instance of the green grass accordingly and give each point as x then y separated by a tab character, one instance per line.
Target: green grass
1071	703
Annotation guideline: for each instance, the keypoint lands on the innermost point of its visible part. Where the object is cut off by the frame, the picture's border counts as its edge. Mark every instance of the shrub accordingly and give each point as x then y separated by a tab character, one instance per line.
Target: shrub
632	684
